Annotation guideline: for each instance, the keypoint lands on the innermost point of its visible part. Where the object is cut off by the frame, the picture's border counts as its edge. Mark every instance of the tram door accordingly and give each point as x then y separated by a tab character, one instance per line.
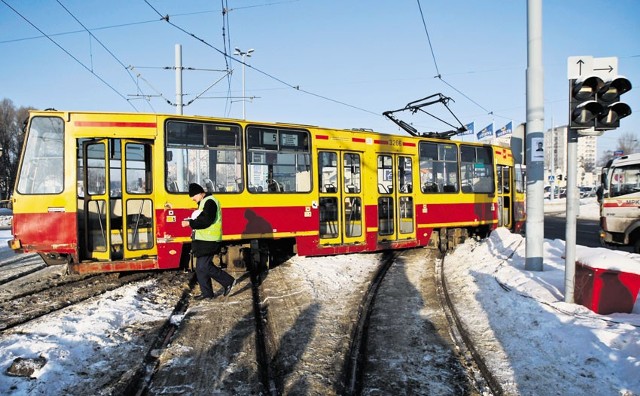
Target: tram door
340	201
504	196
115	193
396	220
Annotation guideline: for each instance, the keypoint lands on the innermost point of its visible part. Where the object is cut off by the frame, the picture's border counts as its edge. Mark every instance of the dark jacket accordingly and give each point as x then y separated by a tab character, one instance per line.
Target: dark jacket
204	220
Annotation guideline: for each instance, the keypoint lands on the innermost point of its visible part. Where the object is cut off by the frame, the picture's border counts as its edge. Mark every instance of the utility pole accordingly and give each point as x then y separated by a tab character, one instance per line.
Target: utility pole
534	137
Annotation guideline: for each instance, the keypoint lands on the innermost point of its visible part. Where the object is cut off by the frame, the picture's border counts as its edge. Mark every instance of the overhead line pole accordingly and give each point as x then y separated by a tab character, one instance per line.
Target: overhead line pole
534	135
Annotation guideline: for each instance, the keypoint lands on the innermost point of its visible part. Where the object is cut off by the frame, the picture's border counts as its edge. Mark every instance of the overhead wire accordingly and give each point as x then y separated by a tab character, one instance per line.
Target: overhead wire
103	46
296	87
439	75
226	39
69	54
158	93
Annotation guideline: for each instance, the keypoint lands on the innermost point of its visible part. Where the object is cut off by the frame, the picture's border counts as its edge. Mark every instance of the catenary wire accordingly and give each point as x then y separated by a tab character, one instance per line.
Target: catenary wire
103	46
226	39
70	55
439	75
296	87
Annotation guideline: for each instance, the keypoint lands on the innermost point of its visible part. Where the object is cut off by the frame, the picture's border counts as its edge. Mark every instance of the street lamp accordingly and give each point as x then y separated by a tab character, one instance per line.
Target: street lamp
243	54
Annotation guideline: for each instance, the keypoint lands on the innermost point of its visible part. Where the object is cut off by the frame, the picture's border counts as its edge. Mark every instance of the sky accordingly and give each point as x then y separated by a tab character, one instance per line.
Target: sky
532	340
328	63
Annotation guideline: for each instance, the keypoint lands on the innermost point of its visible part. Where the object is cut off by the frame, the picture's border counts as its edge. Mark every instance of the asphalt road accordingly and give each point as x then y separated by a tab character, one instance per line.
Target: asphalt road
587	231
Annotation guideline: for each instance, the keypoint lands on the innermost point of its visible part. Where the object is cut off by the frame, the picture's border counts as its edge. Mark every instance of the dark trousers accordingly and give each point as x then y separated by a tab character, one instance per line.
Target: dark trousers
205	271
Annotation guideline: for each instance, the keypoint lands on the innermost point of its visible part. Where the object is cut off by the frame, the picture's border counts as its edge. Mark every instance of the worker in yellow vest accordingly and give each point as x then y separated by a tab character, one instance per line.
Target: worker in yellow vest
206	223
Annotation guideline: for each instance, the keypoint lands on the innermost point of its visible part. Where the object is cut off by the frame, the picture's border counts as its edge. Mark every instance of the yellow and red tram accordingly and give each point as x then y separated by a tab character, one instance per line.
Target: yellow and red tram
107	191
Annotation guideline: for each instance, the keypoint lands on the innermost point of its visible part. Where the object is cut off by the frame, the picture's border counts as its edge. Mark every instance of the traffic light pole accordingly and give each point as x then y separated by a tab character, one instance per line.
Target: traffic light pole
594	107
572	214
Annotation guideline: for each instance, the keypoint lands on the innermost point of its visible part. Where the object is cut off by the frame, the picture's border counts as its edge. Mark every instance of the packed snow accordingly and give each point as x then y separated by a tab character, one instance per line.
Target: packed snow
534	341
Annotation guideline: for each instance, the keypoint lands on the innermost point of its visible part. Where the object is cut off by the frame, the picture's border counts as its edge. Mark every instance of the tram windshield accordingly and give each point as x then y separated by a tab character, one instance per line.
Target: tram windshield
41	171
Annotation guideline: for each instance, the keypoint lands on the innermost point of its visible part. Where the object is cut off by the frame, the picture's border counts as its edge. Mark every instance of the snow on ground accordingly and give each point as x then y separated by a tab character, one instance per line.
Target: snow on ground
540	344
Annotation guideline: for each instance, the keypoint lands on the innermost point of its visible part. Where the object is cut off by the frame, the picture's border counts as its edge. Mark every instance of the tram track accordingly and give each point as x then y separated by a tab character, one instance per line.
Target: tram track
357	351
33	304
286	333
479	372
19	267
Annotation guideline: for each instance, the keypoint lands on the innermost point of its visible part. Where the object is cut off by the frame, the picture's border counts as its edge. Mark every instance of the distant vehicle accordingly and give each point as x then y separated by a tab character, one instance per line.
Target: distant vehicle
619	209
547	192
586	192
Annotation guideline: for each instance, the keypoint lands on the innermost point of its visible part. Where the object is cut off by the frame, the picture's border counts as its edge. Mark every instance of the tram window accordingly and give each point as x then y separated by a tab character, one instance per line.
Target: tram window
138	171
96	169
353	216
139	224
438	167
327	171
477	169
222	136
278	160
406	215
42	171
352	173
385	216
385	174
209	154
328	217
405	174
520	175
185	134
276	139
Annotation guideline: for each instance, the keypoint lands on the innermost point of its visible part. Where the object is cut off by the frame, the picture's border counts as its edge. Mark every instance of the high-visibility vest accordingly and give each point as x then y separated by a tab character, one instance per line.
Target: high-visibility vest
214	231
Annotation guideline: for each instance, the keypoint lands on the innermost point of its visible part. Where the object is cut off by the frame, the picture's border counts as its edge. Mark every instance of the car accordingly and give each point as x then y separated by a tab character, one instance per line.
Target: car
586	192
547	192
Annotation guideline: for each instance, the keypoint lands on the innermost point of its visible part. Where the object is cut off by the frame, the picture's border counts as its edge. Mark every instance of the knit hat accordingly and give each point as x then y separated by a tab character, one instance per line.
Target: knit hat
195	189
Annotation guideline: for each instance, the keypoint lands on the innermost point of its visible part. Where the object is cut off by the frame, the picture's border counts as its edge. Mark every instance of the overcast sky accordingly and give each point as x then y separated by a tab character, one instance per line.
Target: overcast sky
328	63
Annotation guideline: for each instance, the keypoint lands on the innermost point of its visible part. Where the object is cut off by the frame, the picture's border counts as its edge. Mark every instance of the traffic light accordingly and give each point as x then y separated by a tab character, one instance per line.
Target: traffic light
594	103
608	96
583	105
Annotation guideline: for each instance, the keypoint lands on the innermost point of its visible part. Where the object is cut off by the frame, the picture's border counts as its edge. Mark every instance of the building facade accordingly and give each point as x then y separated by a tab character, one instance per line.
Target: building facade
555	160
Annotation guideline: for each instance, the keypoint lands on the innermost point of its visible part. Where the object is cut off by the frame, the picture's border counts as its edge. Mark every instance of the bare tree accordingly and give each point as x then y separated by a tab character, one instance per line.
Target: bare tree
11	141
628	143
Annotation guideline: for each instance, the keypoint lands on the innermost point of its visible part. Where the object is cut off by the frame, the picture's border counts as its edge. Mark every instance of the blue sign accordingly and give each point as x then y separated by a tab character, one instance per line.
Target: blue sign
505	130
486	131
